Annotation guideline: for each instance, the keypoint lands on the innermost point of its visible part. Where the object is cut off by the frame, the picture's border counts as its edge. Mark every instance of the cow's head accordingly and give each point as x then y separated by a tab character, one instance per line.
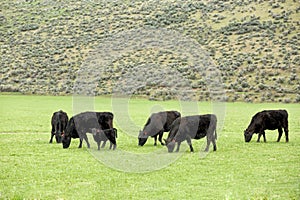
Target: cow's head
247	135
66	137
170	145
143	136
66	140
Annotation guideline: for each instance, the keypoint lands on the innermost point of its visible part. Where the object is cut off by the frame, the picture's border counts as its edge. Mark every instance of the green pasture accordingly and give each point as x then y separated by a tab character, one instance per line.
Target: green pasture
31	168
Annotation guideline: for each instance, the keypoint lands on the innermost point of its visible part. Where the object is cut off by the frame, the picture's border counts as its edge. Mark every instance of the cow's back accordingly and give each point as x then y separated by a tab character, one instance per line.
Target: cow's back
279	115
105	119
206	120
171	117
276	118
155	123
196	126
188	125
207	125
63	116
268	119
87	120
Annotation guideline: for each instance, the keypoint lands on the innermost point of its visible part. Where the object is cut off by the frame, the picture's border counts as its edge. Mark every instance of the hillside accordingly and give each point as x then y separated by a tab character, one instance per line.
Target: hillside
252	47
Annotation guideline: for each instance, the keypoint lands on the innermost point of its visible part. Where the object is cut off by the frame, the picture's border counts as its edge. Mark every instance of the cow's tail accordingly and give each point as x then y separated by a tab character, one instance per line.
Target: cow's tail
60	129
57	125
215	126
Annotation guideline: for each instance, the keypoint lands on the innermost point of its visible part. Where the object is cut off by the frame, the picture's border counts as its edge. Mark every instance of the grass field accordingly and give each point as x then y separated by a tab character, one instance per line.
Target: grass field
31	168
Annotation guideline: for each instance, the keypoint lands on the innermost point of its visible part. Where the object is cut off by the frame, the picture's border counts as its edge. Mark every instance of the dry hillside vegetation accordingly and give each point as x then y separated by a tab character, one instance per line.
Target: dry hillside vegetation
253	44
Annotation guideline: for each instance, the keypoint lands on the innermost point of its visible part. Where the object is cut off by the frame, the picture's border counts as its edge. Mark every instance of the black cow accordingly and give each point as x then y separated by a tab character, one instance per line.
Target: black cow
59	122
156	125
99	135
268	120
84	122
193	127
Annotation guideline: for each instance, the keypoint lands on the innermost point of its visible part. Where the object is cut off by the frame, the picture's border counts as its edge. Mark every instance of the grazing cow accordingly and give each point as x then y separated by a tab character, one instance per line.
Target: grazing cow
59	122
84	122
192	127
156	125
99	135
268	120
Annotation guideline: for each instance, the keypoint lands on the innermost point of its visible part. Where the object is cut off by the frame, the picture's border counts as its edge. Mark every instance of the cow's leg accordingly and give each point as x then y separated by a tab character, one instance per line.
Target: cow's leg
264	135
86	140
286	132
214	143
208	140
80	143
52	134
161	133
103	144
155	139
98	144
178	146
51	138
259	135
211	137
114	145
188	139
279	134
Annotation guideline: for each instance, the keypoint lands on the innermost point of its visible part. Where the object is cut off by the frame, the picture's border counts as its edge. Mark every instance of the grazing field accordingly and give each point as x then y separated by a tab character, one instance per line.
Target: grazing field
31	168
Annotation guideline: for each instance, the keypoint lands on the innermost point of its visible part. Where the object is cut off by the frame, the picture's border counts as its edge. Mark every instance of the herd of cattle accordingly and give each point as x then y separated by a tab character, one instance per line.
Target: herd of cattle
100	125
